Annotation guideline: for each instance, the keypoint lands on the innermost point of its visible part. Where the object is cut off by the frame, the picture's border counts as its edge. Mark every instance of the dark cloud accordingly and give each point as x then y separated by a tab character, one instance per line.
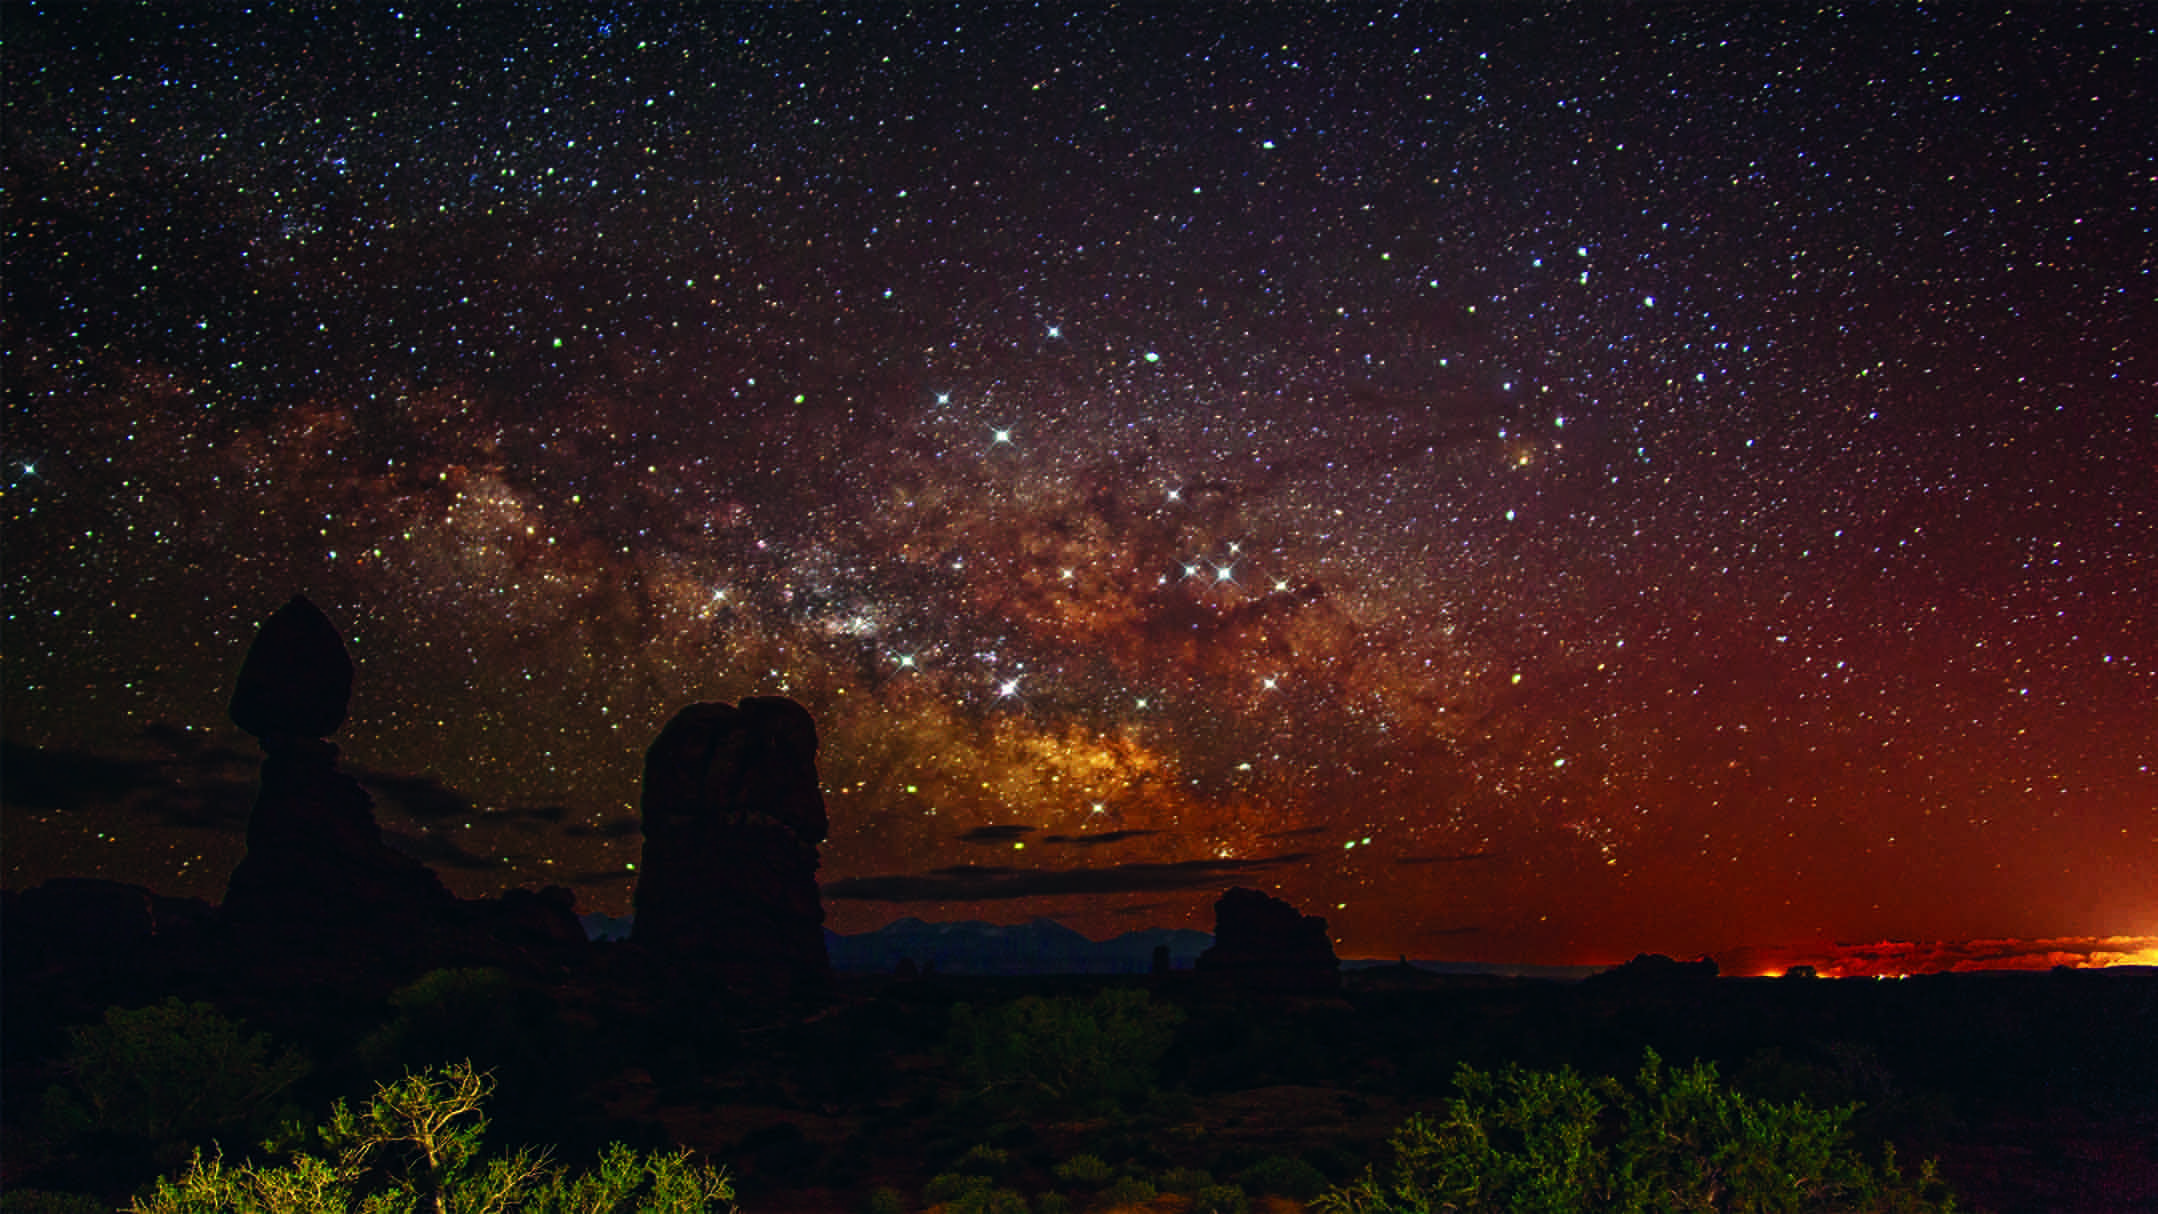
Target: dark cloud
422	797
612	828
552	814
986	883
215	805
35	778
1107	836
996	834
434	849
196	745
197	792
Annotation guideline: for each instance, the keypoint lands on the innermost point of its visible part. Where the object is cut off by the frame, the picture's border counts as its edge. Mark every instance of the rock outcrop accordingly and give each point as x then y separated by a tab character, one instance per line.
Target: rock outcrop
70	920
316	863
732	819
1264	945
1652	971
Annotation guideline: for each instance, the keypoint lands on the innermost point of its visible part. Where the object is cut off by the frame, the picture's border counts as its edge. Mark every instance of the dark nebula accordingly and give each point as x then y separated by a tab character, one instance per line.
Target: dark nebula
1527	485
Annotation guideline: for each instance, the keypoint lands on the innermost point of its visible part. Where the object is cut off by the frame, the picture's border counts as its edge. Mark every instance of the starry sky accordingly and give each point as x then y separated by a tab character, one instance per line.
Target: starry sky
1528	485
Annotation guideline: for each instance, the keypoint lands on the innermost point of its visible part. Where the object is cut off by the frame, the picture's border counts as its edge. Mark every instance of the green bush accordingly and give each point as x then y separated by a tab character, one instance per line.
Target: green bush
1220	1199
1052	1203
442	1016
1085	1170
1064	1055
1126	1191
169	1074
1184	1180
417	1145
1283	1177
1554	1141
948	1186
885	1200
967	1193
981	1160
989	1200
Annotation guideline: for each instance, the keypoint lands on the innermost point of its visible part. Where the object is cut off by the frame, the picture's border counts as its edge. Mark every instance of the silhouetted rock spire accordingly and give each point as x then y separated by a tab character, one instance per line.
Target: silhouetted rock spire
732	819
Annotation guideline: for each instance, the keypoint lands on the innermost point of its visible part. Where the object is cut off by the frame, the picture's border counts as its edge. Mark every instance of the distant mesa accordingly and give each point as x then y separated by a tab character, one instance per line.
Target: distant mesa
732	816
1039	946
1656	970
1264	945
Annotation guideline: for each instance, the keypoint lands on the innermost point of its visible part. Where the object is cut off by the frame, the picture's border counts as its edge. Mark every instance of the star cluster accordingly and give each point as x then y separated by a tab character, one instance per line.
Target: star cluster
1537	485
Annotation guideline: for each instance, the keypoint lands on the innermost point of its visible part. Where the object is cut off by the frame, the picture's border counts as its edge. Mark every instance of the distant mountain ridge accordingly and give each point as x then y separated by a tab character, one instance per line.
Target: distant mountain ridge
970	947
1038	946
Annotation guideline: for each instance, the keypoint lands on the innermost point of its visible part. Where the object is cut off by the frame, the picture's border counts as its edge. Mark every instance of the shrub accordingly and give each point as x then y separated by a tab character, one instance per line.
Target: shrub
1085	1170
983	1160
1534	1140
964	1193
1281	1176
885	1200
444	1015
1064	1055
169	1073
417	1145
1220	1199
1184	1180
947	1186
1126	1192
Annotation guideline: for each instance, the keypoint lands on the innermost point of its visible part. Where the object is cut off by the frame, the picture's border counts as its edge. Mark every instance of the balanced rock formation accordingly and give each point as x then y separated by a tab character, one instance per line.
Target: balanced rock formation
297	679
1263	945
732	819
316	863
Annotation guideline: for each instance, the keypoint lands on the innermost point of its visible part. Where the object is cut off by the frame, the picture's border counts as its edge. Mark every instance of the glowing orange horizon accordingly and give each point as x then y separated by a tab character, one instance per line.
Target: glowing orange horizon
1904	958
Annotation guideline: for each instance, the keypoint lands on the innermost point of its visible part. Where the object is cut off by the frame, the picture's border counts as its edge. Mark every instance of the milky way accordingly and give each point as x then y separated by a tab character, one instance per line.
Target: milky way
1523	485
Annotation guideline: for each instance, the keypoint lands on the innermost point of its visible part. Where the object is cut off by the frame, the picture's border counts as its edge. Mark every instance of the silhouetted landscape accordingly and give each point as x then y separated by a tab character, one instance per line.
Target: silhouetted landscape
890	1070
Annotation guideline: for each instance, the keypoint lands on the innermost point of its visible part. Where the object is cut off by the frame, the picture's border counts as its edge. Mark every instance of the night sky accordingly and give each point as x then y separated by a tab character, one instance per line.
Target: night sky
1526	485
